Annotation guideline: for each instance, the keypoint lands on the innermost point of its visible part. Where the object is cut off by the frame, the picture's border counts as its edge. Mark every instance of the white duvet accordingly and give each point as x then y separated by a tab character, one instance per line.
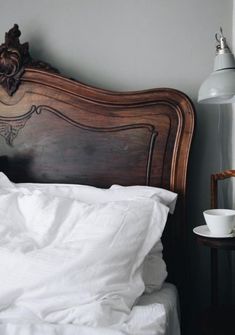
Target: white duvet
67	267
143	320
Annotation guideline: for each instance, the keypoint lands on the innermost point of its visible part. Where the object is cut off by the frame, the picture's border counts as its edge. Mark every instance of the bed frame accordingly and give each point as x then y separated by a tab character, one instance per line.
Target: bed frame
55	129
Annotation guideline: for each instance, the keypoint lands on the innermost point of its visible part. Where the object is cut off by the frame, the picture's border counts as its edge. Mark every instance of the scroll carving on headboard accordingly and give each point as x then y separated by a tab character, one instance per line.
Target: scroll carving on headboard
10	129
14	58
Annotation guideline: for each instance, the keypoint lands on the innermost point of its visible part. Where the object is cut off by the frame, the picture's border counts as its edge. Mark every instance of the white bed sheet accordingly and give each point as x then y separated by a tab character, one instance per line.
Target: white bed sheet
169	299
154	314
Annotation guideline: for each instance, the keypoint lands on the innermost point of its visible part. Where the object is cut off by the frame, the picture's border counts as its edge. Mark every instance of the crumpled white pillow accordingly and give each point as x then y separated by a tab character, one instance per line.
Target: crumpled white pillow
64	261
155	271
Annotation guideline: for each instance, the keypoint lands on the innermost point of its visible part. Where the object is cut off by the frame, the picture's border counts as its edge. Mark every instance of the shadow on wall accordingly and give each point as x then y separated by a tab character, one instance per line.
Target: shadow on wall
227	192
39	50
211	153
226	140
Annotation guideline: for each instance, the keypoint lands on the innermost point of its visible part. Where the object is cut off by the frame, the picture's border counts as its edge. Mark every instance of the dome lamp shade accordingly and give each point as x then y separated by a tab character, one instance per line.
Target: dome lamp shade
219	87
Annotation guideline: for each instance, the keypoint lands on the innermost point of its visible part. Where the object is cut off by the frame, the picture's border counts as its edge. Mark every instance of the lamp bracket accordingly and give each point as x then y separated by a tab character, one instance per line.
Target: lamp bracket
222	47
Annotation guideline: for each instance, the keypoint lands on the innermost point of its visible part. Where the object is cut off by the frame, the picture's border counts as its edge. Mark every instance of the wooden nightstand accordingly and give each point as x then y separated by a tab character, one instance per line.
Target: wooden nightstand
217	319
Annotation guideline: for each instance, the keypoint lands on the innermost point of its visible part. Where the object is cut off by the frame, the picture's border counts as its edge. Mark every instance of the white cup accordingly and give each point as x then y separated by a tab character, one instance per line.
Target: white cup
220	221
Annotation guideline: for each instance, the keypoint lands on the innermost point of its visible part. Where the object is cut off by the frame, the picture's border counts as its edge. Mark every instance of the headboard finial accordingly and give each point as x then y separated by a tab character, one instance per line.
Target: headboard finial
14	58
13	35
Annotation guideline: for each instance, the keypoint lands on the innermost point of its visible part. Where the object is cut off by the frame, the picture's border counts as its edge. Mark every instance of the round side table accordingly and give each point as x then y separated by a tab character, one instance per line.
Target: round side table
217	319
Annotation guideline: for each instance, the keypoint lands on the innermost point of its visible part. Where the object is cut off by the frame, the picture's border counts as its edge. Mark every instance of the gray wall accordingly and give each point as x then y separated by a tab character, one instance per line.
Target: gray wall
133	45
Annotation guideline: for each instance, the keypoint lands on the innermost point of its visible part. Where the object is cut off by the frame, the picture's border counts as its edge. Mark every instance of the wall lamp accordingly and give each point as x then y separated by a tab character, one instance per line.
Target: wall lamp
219	87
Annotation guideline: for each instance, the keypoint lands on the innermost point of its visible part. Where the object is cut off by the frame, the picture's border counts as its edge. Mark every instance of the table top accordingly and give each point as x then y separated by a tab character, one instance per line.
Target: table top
217	243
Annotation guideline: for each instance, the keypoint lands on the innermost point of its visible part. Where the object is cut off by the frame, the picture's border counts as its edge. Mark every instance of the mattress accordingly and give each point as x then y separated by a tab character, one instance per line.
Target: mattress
153	314
168	299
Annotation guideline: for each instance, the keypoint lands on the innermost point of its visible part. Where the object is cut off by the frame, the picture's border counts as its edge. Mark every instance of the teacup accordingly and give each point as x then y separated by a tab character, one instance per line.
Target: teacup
220	221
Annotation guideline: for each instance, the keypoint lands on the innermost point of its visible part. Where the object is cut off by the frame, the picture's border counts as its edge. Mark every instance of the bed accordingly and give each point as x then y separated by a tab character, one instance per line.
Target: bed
58	131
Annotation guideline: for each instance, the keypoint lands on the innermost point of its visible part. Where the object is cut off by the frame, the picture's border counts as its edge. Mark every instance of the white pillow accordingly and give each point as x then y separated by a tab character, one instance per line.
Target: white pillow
166	197
91	194
64	261
155	271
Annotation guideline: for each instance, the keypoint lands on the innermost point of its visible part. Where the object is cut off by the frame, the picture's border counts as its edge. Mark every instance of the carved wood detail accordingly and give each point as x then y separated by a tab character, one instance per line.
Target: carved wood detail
151	129
9	129
39	109
14	58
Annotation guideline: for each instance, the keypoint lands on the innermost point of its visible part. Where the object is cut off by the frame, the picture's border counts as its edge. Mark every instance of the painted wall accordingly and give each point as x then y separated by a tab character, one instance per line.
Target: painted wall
140	44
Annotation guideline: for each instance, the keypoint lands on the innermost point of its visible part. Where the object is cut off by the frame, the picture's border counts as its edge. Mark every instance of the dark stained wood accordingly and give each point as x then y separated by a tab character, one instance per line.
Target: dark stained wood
53	129
217	243
218	320
214	277
14	57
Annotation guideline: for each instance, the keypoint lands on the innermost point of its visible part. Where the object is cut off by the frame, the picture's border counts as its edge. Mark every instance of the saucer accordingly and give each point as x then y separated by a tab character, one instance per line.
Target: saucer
204	231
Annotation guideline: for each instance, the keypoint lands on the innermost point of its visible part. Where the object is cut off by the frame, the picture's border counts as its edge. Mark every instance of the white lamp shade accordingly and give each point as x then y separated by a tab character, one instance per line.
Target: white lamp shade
218	88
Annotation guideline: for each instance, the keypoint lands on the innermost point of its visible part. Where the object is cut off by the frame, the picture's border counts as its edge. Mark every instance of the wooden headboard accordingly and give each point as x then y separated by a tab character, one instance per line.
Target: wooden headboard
55	129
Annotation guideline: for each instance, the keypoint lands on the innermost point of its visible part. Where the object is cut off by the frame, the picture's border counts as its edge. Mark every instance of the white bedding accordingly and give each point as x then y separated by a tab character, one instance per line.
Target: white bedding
168	299
155	271
154	314
68	267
